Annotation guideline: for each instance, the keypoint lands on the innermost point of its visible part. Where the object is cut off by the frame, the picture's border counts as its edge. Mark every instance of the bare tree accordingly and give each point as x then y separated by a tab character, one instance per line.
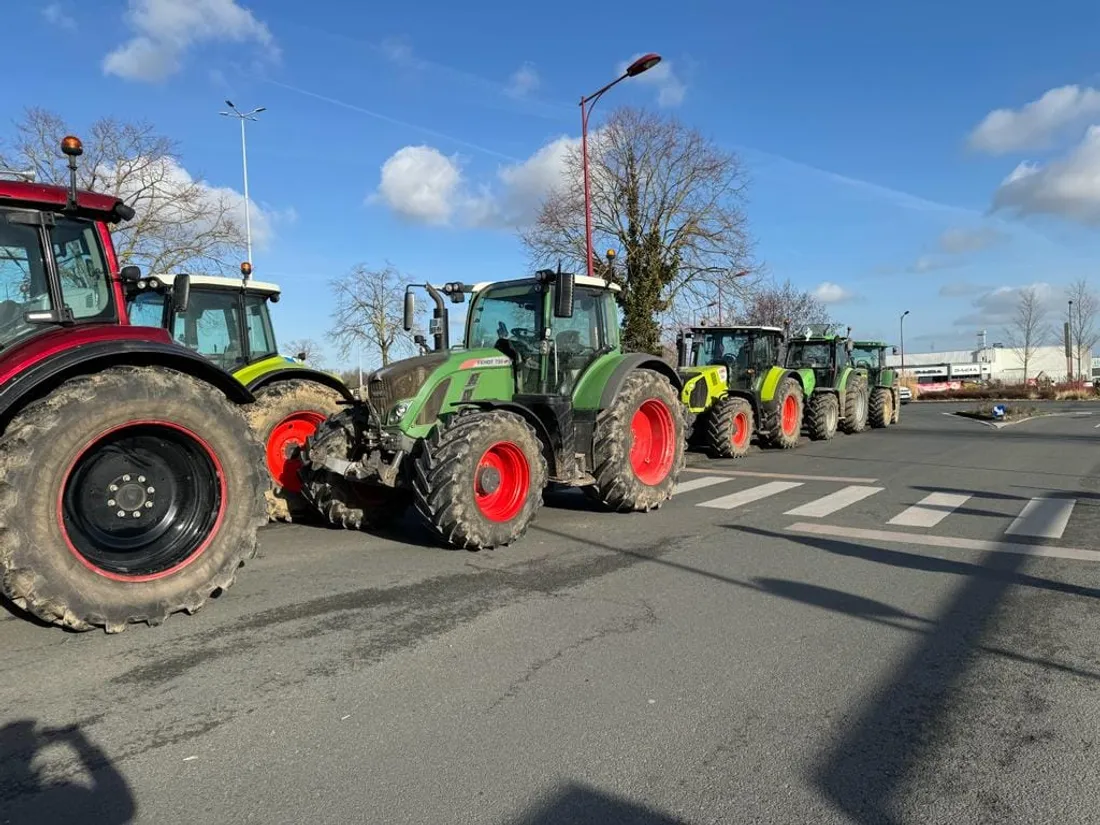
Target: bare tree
1029	329
310	351
182	224
1081	314
776	304
670	200
369	312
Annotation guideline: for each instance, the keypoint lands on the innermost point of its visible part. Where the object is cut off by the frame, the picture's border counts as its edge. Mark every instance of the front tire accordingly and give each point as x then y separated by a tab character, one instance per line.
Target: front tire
284	416
824	412
125	496
855	406
638	445
478	479
882	408
729	427
784	421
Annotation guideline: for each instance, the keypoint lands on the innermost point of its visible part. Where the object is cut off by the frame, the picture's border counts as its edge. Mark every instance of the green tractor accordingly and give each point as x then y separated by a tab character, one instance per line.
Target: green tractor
539	393
869	357
839	397
733	382
228	321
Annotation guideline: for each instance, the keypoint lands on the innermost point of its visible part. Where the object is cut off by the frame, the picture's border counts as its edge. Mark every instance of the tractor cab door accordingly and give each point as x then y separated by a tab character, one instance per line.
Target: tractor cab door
576	342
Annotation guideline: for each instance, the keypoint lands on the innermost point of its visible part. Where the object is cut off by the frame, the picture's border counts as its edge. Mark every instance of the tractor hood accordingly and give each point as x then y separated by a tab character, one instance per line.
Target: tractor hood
402	379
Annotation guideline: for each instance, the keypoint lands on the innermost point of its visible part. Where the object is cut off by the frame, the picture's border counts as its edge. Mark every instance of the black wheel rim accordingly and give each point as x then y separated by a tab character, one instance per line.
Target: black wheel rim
141	500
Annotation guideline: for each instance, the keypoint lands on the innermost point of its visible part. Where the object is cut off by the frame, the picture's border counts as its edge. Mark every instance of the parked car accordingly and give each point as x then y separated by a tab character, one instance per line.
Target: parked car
904	395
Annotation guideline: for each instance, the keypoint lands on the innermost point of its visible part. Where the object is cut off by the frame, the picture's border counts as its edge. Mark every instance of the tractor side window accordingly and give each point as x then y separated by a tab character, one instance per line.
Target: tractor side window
577	340
765	351
80	263
22	278
261	337
211	327
147	309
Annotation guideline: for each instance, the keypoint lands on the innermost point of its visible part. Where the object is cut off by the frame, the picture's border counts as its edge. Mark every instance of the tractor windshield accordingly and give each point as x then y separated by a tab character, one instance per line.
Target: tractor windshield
729	347
810	354
868	358
24	284
507	312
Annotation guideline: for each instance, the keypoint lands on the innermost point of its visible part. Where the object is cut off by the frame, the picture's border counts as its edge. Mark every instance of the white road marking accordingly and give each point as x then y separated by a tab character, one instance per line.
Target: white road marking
791	476
930	510
953	542
699	484
1044	518
750	495
827	505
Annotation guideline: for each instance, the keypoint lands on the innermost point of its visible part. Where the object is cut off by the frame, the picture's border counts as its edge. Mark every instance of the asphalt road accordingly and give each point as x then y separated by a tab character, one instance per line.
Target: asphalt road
722	660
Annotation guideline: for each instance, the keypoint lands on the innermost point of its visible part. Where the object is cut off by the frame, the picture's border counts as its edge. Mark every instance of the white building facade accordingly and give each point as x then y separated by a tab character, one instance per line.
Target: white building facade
950	369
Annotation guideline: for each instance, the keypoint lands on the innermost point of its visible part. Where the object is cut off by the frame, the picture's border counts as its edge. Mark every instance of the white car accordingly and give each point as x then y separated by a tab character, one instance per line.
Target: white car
904	395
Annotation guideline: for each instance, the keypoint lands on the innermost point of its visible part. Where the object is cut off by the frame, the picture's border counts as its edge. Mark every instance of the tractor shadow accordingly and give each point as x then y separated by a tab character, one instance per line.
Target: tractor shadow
580	804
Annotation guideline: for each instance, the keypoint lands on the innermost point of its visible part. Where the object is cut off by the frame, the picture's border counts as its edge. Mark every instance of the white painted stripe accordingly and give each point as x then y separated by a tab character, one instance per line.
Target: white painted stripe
750	495
792	476
1044	518
699	484
953	542
930	510
827	505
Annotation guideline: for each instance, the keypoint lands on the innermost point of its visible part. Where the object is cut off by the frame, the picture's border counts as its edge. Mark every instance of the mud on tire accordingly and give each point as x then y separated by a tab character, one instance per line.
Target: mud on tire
478	479
855	405
881	412
729	427
64	558
775	433
620	484
823	413
284	415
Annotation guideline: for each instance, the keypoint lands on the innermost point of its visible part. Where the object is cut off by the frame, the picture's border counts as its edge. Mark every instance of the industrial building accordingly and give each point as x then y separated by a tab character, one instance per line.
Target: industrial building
950	369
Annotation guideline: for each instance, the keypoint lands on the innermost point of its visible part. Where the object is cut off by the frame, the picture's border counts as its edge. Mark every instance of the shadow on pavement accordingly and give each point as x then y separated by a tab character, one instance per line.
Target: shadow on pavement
577	804
35	789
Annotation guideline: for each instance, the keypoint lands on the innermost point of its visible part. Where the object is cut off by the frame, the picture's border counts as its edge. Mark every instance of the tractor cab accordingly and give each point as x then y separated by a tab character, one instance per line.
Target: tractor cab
870	358
224	319
746	352
820	349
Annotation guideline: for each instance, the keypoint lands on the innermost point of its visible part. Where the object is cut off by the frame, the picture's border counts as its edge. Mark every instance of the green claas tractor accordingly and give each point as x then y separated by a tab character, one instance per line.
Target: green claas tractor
869	357
540	393
733	382
838	392
228	321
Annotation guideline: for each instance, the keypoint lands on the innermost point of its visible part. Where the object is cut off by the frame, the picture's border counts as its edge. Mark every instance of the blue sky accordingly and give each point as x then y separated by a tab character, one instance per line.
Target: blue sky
864	128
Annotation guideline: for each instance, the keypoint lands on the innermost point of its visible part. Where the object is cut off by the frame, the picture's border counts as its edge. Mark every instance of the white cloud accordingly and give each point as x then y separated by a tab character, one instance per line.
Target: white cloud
422	184
1068	188
958	241
996	308
523	81
1035	124
829	293
670	88
166	29
57	16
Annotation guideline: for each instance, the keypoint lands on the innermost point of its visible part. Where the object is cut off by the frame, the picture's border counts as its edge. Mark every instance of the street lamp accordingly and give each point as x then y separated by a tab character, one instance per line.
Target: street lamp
901	325
242	117
642	64
1069	339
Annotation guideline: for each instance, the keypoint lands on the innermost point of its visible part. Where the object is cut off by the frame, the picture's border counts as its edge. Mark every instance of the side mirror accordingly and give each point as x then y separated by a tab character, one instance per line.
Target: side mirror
849	346
410	310
181	292
563	298
301	356
895	350
130	274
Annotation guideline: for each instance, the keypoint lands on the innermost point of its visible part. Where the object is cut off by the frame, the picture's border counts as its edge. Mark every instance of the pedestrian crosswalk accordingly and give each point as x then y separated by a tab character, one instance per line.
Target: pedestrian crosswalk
1041	517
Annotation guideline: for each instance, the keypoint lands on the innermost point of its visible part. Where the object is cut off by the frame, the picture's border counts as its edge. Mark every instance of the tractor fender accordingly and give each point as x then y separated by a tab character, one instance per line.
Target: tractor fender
633	361
41	377
754	402
300	374
528	416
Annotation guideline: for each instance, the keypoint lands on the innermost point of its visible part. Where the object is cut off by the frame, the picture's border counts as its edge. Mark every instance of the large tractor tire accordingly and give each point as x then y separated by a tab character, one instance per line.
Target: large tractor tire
897	405
285	414
729	427
882	408
340	501
824	412
125	496
783	424
855	405
638	446
478	479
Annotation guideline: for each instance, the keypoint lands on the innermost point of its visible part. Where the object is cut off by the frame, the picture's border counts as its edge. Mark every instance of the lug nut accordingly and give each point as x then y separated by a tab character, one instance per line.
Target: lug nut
126	477
148	504
110	502
137	513
113	488
150	489
121	514
141	479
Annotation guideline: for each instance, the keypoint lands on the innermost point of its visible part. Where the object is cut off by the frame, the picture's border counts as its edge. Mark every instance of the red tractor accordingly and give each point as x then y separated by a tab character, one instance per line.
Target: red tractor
130	487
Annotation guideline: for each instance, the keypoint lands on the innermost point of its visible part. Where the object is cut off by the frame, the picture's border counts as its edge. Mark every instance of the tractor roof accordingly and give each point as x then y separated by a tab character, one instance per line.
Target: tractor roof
736	328
46	196
870	344
229	282
581	280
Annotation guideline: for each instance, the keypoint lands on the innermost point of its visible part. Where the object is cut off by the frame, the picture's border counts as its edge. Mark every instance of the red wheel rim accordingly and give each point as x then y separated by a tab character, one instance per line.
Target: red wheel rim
740	429
287	437
502	481
790	414
654	442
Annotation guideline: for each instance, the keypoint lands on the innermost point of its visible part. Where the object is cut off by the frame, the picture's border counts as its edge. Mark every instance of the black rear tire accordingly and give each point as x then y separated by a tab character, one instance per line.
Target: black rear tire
855	405
823	414
170	454
620	485
478	479
729	427
882	408
775	434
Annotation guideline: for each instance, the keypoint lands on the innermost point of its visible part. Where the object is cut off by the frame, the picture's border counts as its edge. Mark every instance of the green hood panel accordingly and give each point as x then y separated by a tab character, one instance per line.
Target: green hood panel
251	372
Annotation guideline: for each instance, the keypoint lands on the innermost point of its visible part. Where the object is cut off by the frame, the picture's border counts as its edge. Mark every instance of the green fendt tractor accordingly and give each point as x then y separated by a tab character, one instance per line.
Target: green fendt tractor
734	382
838	392
228	321
869	357
540	393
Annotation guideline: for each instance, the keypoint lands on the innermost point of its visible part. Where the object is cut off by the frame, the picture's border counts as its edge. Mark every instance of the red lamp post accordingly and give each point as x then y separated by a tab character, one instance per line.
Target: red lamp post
642	64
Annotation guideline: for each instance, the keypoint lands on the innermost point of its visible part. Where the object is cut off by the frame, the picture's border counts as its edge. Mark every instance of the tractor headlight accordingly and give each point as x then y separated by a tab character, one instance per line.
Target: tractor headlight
398	411
723	374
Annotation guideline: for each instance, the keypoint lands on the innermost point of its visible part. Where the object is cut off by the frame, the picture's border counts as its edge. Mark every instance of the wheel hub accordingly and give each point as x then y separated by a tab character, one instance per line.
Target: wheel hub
488	480
130	495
